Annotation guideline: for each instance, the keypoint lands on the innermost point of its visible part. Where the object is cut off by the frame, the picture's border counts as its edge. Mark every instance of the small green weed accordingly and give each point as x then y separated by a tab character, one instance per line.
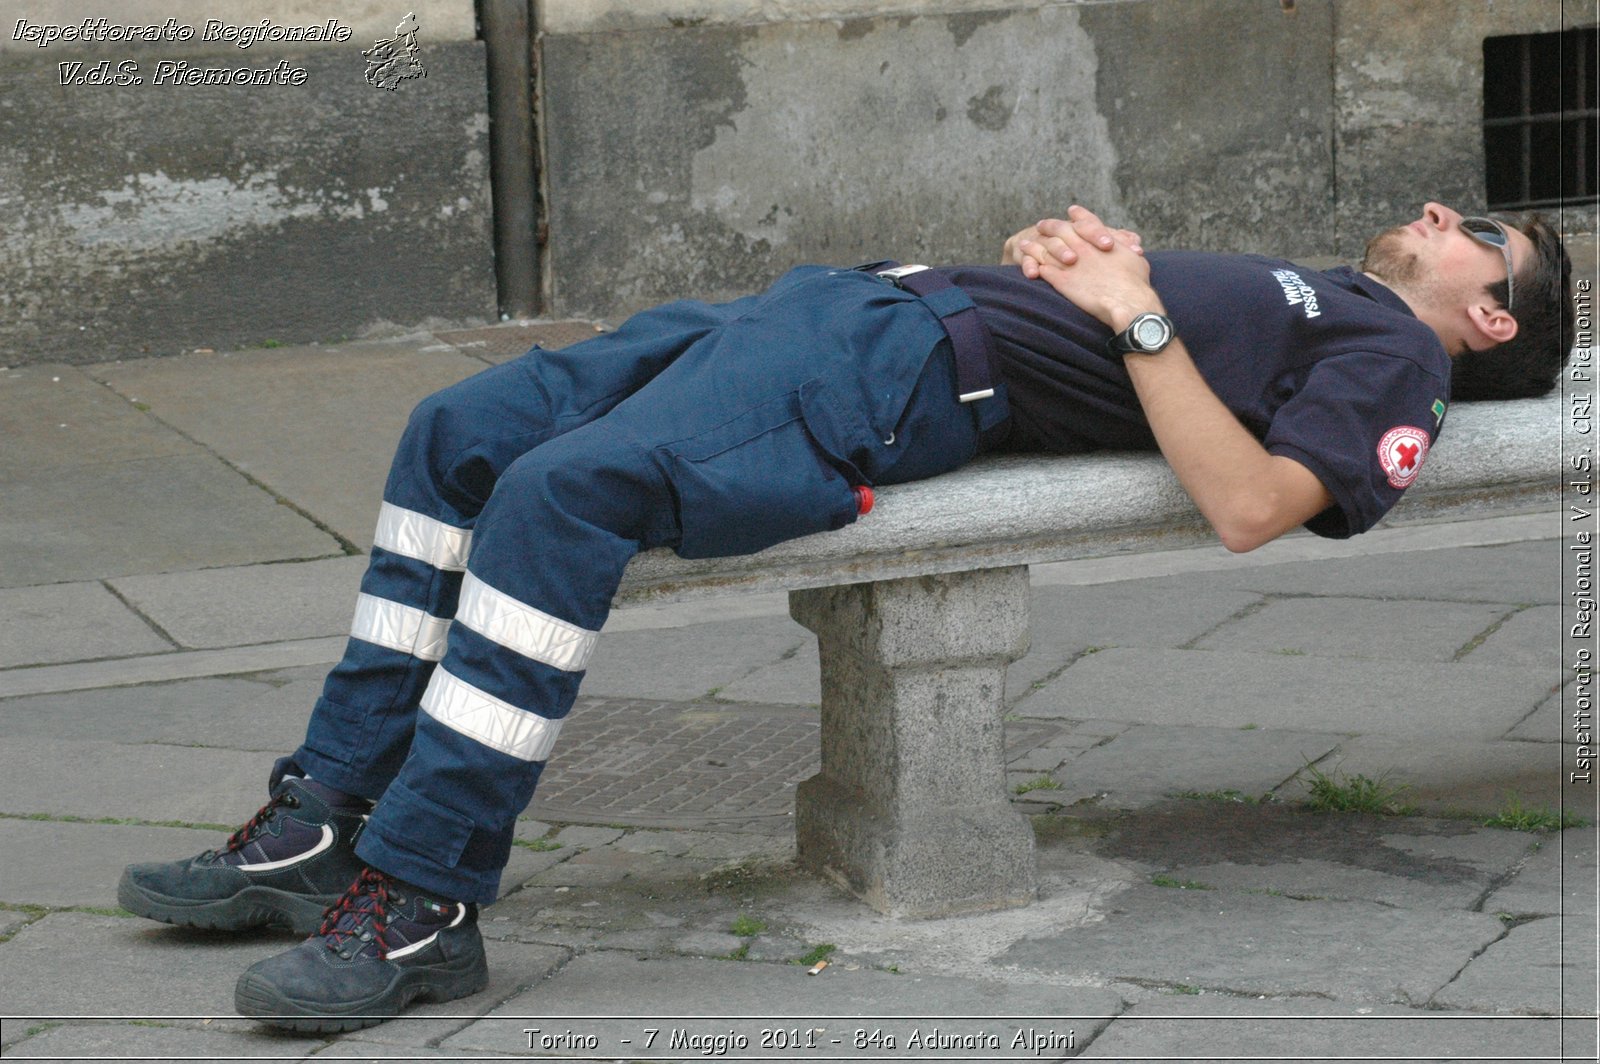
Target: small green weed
815	954
1163	880
1336	792
1038	783
747	926
1223	796
539	845
68	818
1517	817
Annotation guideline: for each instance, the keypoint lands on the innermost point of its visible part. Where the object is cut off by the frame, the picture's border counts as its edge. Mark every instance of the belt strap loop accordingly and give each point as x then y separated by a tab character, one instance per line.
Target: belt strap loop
969	337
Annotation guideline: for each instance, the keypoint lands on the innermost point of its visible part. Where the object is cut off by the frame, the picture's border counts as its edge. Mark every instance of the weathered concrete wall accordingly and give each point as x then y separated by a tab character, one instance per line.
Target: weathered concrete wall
1408	100
148	218
700	147
705	159
1219	111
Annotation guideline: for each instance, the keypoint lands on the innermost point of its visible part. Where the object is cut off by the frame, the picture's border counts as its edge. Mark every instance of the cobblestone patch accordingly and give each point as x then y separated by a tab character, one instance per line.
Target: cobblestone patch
693	764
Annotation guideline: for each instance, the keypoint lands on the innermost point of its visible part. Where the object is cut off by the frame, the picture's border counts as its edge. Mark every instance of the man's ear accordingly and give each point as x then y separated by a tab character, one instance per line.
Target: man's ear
1494	325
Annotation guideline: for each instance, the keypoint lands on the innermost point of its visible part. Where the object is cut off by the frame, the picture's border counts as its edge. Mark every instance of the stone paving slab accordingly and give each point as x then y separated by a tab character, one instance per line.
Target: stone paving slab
1233	689
259	712
153	783
54	416
1552	721
360	1050
685	664
1069	620
663	992
278	415
141	969
1318	878
149	515
524	864
1411	862
149	1041
1531	637
11	920
70	622
1449	775
63	864
169	667
1357	628
1148	763
1557	878
1288	1031
1542	966
1357	952
238	605
500	343
794	680
1525	573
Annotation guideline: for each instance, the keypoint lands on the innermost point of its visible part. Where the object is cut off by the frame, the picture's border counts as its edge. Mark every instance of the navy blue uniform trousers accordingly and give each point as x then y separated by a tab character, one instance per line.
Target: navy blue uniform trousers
518	496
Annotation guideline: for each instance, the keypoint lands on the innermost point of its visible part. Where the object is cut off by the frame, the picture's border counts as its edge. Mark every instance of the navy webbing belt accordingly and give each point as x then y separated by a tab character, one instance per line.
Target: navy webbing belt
976	372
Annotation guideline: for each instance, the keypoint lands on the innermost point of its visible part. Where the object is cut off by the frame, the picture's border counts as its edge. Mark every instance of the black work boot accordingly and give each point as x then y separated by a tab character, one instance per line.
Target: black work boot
283	868
384	945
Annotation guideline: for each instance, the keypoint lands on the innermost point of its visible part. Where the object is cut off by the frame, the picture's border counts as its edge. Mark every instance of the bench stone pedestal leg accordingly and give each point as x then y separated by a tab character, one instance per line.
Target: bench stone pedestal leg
910	810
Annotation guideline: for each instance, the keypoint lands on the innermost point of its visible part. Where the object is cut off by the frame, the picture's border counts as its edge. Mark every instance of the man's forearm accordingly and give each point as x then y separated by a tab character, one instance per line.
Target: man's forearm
1248	495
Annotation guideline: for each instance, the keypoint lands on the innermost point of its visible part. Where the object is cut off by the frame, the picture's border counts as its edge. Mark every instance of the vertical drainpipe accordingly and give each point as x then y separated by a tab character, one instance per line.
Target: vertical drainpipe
513	164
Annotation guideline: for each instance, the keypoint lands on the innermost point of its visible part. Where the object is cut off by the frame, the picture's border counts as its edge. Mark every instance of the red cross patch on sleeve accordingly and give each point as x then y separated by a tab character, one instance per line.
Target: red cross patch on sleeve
1401	451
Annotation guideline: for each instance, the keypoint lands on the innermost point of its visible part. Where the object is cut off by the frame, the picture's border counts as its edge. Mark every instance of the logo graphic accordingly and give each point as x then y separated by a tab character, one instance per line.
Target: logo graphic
1297	292
1401	452
1438	412
392	61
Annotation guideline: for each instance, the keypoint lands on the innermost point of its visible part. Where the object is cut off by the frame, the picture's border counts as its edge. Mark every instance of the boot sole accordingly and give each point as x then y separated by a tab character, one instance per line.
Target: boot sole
259	999
252	907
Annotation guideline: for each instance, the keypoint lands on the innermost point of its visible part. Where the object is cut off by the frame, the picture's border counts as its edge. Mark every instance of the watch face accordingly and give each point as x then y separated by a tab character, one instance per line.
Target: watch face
1150	332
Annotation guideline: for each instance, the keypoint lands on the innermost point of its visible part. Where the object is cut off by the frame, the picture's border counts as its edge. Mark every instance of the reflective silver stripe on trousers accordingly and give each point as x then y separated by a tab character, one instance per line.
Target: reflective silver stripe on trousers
399	627
422	537
518	626
478	715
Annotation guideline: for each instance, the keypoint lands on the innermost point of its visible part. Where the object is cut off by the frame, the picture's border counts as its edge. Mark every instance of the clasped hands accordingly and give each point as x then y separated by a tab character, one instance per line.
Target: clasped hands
1101	269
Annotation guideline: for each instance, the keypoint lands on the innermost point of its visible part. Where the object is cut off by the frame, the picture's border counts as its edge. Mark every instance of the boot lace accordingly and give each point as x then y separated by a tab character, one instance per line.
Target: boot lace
361	914
264	816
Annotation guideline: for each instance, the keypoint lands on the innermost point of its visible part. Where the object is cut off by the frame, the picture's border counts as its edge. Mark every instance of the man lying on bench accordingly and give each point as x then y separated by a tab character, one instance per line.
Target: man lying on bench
1280	395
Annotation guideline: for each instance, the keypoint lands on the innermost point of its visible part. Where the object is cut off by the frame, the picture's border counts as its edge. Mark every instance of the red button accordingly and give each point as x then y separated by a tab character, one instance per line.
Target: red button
863	499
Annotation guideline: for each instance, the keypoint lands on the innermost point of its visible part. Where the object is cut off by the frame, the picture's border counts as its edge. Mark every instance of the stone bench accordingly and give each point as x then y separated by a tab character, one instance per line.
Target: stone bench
919	607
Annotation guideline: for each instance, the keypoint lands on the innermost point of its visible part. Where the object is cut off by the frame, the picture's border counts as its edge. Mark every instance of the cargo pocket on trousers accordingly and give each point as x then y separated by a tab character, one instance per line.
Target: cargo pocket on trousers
755	481
446	831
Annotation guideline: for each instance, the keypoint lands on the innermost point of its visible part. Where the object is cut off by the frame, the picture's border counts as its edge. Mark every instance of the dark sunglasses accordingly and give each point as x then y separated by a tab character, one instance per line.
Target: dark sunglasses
1490	232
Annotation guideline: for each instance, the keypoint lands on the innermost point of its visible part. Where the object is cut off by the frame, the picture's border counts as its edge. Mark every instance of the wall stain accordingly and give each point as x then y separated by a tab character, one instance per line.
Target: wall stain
992	110
853	29
963	26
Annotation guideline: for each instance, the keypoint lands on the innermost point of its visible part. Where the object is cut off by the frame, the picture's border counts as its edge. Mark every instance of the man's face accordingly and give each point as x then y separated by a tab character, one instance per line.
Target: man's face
1435	260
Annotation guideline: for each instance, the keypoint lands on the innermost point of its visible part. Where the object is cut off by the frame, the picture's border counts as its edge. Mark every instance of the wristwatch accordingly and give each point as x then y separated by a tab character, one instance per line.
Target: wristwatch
1145	335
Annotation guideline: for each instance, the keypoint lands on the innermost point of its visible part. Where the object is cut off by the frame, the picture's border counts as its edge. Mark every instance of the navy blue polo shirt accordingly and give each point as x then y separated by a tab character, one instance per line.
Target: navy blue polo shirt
1328	368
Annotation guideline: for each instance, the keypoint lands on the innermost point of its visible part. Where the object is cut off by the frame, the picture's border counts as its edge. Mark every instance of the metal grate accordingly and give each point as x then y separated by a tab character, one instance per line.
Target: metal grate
1540	128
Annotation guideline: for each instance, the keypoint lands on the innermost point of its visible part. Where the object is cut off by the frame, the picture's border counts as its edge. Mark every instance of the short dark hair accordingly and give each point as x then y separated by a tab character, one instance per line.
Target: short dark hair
1530	363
